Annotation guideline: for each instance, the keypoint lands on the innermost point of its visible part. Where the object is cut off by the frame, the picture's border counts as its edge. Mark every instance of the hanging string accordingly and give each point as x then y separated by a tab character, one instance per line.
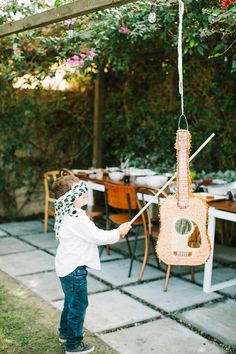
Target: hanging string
180	63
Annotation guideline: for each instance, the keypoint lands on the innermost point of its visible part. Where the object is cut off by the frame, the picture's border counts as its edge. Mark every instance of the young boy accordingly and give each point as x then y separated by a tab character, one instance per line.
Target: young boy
78	239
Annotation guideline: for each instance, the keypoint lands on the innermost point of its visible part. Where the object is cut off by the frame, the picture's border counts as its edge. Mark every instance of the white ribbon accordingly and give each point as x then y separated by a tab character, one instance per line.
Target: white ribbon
180	55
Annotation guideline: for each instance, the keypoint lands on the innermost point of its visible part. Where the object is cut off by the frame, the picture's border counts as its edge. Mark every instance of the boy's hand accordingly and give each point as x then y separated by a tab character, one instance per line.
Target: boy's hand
124	229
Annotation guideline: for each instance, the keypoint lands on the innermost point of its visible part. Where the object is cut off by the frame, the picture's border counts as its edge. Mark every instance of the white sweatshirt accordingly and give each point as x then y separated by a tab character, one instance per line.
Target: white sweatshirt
78	240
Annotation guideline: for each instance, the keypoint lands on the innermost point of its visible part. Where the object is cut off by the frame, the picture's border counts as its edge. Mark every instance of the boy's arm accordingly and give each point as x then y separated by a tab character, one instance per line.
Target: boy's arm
91	233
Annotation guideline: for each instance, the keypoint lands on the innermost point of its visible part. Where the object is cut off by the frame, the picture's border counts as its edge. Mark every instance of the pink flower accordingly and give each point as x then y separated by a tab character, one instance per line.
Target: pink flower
68	22
30	49
91	55
70	62
75	58
81	63
124	30
82	55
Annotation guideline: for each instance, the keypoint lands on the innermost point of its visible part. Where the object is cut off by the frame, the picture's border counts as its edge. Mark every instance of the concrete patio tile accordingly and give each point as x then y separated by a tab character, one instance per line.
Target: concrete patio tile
58	304
123	246
152	259
225	254
23	227
216	319
231	290
26	263
42	240
160	337
112	309
52	250
111	256
180	294
95	285
46	285
12	245
116	273
3	233
218	275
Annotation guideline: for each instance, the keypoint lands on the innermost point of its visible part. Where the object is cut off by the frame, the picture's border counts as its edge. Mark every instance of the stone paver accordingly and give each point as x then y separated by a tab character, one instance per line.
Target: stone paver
111	256
42	240
112	309
116	272
216	319
160	337
58	304
23	228
46	285
180	294
218	275
52	251
229	291
122	246
12	245
94	285
3	233
26	263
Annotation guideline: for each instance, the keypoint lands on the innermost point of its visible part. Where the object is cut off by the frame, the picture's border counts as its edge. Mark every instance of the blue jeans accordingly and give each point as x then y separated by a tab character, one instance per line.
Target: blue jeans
74	286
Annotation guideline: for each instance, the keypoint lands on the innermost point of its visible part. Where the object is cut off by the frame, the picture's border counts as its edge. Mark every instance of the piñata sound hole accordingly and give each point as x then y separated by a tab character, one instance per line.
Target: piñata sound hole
183	226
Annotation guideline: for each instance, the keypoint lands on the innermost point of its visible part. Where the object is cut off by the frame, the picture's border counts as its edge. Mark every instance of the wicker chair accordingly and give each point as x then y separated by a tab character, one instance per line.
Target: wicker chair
49	179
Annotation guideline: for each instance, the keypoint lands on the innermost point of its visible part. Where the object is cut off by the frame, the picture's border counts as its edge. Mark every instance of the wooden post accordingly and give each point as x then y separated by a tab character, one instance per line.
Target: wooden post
73	9
98	119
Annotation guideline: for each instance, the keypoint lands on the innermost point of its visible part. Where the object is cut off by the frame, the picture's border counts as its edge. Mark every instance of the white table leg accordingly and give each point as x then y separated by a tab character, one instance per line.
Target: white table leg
90	195
209	263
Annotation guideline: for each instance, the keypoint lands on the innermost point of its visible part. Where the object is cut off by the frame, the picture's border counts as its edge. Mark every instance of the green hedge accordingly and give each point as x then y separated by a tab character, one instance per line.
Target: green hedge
42	130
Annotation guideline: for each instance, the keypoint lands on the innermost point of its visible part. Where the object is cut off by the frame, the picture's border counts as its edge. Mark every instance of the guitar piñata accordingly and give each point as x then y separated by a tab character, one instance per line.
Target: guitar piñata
183	238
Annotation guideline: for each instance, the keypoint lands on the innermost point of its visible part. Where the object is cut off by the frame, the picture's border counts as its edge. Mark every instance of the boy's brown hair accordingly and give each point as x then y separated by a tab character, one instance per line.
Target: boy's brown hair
63	184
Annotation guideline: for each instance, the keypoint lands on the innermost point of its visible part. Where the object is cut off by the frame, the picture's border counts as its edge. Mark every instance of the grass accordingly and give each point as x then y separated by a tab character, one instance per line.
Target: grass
29	325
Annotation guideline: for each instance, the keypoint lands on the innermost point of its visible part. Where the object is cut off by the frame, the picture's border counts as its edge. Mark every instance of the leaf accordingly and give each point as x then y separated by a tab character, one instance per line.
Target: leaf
57	3
200	50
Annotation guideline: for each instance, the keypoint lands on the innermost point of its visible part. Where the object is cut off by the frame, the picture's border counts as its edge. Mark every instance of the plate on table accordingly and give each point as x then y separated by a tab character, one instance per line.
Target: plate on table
149	172
209	197
218	181
135	172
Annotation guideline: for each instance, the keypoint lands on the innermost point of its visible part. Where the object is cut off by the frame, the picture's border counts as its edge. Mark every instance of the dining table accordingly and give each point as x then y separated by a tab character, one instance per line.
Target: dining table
97	184
217	208
225	210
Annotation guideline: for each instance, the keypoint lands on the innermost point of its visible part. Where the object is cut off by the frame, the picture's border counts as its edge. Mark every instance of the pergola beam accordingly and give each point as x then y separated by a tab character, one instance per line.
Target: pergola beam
74	9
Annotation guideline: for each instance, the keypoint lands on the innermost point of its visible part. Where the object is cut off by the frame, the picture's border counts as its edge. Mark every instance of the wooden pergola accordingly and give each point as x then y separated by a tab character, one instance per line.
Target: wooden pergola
64	12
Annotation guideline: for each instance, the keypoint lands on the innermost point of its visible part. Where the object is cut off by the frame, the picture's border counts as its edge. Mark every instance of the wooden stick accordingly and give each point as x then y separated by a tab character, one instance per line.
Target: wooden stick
170	180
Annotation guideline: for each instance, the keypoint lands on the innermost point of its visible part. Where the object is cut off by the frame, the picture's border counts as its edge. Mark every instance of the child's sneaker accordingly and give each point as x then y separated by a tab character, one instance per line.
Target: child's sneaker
62	339
82	348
